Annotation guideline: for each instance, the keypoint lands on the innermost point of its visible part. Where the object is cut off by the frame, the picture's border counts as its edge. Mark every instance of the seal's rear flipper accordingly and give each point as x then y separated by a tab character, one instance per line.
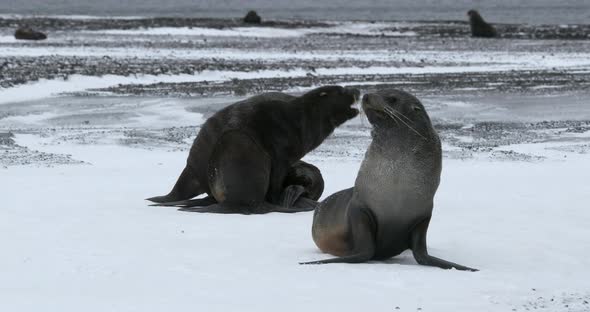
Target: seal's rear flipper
260	208
357	258
187	186
209	200
421	254
305	204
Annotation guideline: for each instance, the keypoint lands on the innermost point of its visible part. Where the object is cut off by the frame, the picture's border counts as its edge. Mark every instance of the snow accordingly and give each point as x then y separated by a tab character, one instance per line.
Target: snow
81	238
262	32
76	83
357	28
527	60
7	39
71	17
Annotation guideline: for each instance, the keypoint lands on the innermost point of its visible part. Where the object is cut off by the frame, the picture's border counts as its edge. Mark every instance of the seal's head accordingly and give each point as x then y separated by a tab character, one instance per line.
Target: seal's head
396	109
475	17
333	104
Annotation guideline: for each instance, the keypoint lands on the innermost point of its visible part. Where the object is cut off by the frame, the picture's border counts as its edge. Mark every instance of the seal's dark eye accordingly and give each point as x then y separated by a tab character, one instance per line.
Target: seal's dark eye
323	93
417	109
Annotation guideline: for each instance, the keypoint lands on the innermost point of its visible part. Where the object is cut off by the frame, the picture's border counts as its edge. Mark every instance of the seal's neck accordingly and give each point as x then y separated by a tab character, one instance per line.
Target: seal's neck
314	126
316	131
401	138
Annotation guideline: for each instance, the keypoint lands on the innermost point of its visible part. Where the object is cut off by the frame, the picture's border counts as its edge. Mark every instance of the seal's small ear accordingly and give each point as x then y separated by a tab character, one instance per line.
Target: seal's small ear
323	93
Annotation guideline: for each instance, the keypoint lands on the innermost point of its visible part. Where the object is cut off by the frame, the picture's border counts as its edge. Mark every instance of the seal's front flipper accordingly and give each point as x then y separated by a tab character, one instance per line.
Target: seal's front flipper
437	262
308	176
290	195
209	200
421	253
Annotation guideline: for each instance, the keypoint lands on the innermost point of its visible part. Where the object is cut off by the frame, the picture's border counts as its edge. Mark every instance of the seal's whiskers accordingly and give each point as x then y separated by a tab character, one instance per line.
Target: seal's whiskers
394	114
402	115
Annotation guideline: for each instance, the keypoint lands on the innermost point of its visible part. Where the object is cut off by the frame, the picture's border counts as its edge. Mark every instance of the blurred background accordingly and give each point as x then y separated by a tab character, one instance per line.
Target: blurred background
504	11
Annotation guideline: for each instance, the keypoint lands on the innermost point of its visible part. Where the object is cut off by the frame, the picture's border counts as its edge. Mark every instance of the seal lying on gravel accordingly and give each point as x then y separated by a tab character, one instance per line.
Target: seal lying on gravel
479	27
6	138
243	153
29	34
389	208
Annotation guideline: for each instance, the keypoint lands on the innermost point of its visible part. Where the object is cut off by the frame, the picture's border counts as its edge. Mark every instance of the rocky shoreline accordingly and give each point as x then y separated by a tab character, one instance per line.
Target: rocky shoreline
195	72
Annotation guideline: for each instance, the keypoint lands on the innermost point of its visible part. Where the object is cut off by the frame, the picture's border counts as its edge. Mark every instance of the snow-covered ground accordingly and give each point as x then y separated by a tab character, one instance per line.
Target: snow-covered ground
77	159
80	237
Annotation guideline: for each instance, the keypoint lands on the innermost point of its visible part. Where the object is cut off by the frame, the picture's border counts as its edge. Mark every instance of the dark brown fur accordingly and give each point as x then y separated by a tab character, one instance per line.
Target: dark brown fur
479	27
280	130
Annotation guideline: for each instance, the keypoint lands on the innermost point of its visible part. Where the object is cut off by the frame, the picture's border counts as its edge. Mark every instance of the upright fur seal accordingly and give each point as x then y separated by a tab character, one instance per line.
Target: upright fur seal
479	27
252	17
389	208
244	152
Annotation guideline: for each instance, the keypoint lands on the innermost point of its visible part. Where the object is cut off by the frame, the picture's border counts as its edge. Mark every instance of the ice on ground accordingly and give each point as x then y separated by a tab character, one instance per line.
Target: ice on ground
264	32
528	60
74	170
7	39
82	237
77	83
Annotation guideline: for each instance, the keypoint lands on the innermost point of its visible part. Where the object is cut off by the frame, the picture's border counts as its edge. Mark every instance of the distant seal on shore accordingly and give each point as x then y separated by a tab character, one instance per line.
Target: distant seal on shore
252	18
389	208
243	153
479	27
7	138
25	33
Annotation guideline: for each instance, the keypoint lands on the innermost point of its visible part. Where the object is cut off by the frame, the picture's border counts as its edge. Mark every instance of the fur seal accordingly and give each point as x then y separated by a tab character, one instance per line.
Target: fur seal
303	179
479	27
252	18
303	185
243	153
26	33
389	208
